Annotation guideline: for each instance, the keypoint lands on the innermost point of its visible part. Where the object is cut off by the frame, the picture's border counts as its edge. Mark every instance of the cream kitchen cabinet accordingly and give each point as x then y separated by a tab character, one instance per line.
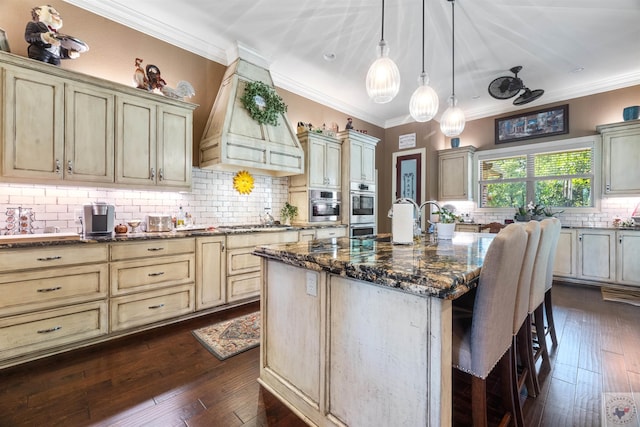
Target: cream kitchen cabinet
620	153
627	265
455	173
243	268
359	155
154	144
151	281
323	156
321	233
66	127
566	254
51	299
211	272
596	254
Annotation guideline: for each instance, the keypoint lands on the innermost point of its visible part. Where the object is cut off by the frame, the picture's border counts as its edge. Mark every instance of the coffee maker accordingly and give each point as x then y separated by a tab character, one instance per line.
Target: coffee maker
98	219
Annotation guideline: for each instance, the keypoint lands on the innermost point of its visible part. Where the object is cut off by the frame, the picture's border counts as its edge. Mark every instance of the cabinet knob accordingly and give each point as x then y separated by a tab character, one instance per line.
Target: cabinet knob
153	174
58	166
160	174
70	167
608	188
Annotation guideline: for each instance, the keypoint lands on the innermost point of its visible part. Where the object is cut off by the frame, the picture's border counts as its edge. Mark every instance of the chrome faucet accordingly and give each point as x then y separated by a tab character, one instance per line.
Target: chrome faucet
428	202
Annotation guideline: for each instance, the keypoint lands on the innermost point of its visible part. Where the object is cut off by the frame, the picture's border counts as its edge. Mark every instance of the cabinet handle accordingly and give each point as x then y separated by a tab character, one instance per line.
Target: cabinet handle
57	288
58	166
155	249
49	258
159	273
222	249
621	239
160	174
70	167
153	307
46	331
153	174
608	188
580	237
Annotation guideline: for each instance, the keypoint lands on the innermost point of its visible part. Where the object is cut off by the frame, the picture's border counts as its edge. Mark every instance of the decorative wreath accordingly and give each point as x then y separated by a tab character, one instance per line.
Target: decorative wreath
243	182
263	103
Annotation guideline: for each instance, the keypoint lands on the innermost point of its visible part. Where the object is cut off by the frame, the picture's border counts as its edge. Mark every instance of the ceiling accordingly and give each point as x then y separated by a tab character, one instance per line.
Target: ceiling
569	48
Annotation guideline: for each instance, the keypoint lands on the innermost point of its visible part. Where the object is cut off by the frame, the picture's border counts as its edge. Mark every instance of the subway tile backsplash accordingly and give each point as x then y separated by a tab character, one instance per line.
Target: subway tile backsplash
212	201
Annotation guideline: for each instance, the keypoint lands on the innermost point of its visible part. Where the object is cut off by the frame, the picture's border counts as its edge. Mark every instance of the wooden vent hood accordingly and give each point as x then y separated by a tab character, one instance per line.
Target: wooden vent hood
233	140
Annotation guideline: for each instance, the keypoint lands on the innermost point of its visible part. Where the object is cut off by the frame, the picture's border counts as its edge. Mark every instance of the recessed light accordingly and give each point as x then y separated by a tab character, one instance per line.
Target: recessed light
577	69
329	56
475	97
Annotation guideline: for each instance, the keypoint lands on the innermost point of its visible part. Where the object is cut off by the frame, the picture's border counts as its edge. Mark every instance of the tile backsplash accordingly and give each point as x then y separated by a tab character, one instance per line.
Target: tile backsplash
211	201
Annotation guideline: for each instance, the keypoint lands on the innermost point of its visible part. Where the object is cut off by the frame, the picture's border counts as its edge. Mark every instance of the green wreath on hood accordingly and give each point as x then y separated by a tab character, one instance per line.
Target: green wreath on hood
263	103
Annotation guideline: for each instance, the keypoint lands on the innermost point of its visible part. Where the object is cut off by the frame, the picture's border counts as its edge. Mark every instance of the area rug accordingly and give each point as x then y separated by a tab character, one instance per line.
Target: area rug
621	294
230	337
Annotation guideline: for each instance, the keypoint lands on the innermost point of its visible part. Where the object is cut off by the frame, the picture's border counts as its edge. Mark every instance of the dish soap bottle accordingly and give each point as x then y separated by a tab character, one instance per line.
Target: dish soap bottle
180	218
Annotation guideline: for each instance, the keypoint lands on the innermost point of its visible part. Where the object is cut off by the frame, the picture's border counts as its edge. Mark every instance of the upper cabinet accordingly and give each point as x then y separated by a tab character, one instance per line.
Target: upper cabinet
455	173
359	155
620	153
323	155
58	125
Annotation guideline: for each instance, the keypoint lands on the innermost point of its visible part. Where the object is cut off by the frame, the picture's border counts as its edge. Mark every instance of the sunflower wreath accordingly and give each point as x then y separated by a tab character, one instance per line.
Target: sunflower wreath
263	103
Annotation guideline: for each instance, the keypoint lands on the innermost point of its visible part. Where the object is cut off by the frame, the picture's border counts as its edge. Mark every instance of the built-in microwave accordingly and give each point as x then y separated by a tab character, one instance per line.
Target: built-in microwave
363	204
324	206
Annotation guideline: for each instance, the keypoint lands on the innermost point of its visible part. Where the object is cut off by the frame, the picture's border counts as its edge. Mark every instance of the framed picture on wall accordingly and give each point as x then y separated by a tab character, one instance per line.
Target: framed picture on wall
4	42
534	124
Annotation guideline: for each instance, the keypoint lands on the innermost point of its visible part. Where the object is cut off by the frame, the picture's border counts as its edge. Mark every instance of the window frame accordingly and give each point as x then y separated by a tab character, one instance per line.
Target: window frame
592	141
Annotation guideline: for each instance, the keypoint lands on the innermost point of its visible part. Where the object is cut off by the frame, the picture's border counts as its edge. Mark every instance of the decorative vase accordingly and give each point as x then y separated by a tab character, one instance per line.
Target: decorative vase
631	113
445	231
455	142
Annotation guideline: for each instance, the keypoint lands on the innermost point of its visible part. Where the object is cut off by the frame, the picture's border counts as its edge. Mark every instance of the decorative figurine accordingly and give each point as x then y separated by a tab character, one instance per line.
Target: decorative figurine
150	79
45	43
349	123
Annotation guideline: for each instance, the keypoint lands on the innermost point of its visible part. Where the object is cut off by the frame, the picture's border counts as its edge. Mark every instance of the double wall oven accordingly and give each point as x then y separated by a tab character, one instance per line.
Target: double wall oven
362	215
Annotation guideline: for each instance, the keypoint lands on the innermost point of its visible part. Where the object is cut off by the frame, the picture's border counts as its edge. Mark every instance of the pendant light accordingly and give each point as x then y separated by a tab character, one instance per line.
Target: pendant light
424	101
452	121
383	78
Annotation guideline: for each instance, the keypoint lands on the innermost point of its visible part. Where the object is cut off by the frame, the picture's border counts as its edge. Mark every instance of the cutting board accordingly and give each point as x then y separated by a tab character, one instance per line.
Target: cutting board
42	237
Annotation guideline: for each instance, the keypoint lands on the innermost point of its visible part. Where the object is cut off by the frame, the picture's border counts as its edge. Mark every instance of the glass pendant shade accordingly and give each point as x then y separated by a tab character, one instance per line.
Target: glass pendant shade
452	121
424	101
383	78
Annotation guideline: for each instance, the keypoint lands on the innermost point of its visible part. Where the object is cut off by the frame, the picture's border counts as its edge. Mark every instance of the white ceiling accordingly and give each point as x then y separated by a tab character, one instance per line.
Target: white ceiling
551	39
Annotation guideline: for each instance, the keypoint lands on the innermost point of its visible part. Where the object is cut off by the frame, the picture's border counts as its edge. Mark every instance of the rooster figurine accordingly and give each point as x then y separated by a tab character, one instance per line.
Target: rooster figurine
150	79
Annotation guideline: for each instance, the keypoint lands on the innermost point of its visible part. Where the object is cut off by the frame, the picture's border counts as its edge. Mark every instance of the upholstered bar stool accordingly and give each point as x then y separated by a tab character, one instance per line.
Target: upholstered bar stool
548	306
536	300
521	318
484	340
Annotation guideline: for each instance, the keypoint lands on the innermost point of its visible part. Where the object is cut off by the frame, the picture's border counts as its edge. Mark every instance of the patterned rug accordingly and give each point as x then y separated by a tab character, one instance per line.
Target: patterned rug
228	338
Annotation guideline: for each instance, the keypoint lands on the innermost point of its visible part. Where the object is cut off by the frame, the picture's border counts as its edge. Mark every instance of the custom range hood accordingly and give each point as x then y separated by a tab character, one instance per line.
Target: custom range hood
233	140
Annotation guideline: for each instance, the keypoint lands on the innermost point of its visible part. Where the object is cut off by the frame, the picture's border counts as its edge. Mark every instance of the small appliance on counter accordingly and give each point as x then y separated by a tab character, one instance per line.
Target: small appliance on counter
402	221
98	219
157	222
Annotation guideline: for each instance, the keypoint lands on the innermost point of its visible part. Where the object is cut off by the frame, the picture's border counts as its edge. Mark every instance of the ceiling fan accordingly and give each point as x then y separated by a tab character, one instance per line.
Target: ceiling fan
506	87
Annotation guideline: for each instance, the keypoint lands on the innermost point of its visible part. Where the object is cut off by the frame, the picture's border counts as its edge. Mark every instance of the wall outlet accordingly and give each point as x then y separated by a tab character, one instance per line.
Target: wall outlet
312	284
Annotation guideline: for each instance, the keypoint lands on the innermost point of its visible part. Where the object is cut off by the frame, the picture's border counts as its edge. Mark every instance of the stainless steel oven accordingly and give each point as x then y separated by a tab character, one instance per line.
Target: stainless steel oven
324	206
359	230
363	203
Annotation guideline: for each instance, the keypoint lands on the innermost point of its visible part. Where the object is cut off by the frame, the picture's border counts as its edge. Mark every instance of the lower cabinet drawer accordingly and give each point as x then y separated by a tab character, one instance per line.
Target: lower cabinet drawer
143	275
242	261
153	306
47	329
243	286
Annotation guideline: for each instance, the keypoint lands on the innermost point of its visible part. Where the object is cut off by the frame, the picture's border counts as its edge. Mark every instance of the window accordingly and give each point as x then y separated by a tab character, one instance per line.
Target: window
556	175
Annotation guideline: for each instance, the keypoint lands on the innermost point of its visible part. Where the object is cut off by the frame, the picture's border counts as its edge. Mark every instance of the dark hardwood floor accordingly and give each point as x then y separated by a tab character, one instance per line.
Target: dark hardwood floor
167	378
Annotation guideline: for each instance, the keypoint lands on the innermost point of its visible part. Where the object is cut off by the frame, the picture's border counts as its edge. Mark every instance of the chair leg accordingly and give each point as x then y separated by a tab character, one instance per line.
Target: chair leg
510	379
548	308
526	353
479	401
542	339
530	354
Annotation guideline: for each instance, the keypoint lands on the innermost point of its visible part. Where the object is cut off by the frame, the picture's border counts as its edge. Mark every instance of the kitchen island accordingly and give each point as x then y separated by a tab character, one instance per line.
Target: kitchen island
358	331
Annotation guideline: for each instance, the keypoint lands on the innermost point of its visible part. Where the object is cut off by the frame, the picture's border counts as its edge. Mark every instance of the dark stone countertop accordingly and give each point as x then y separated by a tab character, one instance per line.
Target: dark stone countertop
129	237
445	269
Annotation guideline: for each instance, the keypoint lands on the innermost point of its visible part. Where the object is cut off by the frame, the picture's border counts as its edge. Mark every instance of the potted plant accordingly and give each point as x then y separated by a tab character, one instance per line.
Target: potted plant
446	225
288	213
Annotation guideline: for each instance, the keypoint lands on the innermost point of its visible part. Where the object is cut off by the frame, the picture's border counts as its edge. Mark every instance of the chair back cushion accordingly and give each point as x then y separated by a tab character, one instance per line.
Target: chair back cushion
495	300
524	283
552	253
